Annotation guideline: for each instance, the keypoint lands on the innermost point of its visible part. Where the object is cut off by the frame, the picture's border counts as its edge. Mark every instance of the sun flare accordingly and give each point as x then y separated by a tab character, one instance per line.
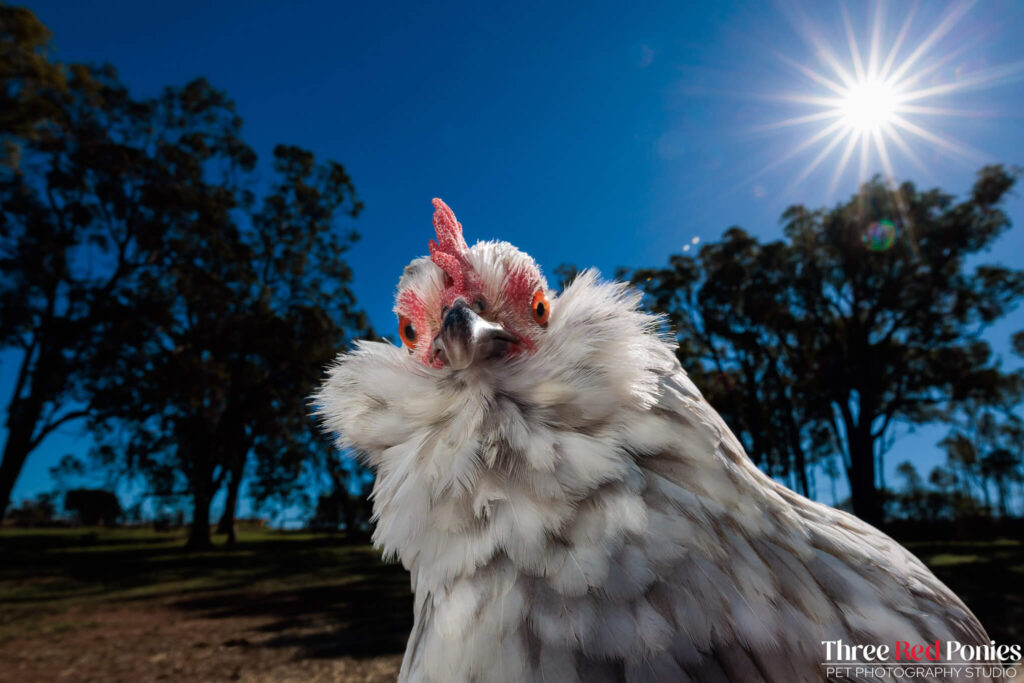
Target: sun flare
882	103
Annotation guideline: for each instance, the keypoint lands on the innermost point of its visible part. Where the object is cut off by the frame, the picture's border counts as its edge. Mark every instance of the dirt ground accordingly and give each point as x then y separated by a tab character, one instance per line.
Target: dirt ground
131	605
153	641
123	605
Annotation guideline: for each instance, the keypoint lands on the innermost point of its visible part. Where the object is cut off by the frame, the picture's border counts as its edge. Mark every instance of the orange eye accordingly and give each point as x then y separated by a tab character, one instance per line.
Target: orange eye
407	331
540	307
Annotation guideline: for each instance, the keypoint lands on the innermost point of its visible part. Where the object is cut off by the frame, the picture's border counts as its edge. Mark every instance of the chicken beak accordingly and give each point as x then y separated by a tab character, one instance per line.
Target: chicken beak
465	338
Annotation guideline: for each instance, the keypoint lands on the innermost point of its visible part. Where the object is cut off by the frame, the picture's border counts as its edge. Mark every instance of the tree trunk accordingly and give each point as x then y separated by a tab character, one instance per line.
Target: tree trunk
227	519
862	477
800	464
1002	492
986	496
10	468
22	416
237	449
199	532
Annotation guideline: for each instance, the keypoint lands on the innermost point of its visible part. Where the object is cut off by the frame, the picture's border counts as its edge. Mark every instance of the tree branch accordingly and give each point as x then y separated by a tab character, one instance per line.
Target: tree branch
23	372
73	415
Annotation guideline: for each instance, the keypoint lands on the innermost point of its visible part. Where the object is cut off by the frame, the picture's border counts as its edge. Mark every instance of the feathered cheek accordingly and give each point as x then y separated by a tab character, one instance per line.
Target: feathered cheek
519	286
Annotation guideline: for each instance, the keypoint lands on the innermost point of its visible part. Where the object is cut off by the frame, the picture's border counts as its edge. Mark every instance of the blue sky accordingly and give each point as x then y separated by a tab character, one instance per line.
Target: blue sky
599	135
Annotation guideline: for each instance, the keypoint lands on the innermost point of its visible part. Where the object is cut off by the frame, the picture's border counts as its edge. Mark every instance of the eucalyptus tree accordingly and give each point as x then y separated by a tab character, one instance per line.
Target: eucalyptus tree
866	314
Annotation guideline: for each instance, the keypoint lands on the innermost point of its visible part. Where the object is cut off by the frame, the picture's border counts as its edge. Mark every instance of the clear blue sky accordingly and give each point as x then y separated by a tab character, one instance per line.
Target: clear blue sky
599	135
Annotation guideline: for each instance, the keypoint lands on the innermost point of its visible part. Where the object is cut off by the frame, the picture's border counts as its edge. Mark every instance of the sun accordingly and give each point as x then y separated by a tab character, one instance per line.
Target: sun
882	103
869	105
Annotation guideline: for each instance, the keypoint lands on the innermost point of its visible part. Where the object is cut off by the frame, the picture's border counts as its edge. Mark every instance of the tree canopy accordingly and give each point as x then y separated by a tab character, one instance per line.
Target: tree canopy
154	285
867	313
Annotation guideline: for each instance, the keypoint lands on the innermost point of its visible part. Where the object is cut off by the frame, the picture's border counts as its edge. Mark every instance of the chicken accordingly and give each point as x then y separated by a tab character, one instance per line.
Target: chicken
570	508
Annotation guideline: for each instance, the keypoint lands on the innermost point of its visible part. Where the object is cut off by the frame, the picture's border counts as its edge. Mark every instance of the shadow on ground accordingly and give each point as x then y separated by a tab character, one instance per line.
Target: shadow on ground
988	576
362	618
314	594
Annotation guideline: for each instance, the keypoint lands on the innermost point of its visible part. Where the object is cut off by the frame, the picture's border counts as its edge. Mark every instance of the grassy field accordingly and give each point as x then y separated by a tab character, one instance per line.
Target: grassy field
128	605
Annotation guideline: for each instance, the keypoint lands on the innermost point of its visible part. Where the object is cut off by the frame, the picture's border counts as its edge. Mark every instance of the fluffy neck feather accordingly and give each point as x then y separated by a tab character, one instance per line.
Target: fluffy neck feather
499	457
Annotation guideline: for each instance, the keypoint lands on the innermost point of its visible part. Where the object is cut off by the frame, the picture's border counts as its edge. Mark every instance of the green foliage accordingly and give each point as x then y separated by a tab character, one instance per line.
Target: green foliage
31	84
155	286
238	317
985	445
39	511
1018	343
819	342
93	506
77	221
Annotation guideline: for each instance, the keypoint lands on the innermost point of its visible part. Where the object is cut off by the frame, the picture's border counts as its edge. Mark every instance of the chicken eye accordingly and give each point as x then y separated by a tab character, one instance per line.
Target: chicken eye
540	308
407	331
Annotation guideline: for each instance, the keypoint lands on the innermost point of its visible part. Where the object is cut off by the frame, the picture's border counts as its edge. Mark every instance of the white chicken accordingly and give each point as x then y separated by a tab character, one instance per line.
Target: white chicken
570	508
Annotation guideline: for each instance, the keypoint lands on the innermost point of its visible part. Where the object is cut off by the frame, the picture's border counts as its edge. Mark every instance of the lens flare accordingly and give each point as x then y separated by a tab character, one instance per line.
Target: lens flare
880	235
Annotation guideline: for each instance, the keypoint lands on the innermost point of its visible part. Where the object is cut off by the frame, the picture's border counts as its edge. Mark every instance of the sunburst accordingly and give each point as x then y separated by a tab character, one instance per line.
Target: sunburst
877	103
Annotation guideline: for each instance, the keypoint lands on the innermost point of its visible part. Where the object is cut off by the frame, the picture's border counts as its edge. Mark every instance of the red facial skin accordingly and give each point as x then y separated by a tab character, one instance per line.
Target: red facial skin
412	307
449	253
518	289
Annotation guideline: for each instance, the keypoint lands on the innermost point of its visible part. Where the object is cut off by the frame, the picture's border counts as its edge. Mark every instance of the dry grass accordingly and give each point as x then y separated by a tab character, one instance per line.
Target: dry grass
125	605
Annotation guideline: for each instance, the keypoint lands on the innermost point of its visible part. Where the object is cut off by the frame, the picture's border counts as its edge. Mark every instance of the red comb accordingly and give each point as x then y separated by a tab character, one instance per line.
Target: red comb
449	250
449	230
